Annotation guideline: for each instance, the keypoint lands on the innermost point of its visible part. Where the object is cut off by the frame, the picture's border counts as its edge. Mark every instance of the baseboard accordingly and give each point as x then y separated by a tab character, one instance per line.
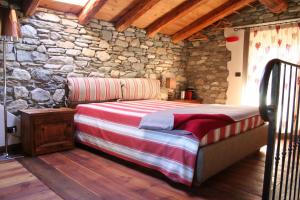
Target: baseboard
13	148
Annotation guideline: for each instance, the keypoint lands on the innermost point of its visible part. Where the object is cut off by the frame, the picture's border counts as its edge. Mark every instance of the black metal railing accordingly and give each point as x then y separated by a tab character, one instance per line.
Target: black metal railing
280	105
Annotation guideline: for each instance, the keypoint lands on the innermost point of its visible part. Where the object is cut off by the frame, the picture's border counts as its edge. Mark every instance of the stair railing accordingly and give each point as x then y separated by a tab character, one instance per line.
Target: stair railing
280	105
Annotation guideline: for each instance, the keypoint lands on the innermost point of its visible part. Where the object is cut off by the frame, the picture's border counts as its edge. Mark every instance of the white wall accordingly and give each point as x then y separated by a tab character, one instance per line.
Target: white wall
235	87
12	120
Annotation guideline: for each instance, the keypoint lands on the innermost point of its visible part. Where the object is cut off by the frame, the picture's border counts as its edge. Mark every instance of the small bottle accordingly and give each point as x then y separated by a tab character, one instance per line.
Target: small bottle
182	94
189	93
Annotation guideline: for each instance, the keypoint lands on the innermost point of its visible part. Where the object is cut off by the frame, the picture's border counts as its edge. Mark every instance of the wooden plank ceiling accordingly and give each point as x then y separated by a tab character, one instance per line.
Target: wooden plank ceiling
178	18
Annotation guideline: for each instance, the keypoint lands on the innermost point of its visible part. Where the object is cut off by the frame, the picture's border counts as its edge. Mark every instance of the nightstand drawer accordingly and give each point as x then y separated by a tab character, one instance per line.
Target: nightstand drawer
53	134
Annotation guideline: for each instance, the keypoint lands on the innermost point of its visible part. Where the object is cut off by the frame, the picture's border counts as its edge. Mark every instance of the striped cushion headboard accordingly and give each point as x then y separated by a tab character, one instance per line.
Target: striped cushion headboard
93	89
140	88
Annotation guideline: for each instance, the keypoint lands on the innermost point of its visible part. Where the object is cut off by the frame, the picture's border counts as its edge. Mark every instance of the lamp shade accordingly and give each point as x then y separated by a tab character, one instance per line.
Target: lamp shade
171	83
10	26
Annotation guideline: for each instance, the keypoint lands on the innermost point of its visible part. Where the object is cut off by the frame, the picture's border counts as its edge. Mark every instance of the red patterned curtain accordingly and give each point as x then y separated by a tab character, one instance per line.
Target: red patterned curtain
267	43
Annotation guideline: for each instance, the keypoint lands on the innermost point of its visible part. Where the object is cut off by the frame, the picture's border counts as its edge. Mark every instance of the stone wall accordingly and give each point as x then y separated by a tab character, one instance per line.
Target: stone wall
54	46
207	60
207	68
258	13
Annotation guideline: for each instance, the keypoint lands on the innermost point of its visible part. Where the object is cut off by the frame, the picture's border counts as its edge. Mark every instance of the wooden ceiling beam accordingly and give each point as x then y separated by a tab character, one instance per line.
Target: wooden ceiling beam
11	25
133	14
30	6
90	10
275	6
176	13
210	18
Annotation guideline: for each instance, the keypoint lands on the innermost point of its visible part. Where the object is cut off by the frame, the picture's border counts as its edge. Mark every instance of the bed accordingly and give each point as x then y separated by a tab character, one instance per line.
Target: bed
134	129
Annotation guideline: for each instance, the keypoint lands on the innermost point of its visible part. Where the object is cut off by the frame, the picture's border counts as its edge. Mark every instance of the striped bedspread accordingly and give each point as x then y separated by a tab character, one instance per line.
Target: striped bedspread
113	128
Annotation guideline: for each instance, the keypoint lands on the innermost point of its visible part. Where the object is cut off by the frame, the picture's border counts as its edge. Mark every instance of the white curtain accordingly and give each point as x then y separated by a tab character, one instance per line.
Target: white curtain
265	44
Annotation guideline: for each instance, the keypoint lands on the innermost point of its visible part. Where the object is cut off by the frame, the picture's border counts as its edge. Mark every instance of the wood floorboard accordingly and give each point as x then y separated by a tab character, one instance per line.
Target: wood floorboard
133	181
22	190
152	177
17	183
242	184
240	180
228	192
60	184
100	184
88	174
230	184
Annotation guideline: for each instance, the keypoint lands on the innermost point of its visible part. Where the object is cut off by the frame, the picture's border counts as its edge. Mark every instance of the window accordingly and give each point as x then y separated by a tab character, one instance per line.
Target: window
265	44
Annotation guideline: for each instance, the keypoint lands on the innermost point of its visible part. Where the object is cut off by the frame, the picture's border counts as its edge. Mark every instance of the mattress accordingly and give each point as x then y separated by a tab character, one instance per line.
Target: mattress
113	127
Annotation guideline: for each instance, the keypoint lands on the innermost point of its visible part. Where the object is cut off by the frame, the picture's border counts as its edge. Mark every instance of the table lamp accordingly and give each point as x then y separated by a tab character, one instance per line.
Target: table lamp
171	85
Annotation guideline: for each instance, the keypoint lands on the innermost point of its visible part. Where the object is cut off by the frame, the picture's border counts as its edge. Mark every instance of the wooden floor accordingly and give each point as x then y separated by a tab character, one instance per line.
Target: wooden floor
17	183
82	174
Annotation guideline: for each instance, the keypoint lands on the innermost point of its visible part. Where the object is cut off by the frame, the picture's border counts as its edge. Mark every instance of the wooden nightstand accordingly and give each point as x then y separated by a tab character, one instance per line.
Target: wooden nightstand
188	101
47	130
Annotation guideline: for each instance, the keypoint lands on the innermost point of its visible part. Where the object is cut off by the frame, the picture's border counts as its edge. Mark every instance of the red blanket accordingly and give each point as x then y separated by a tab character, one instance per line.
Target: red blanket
200	124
